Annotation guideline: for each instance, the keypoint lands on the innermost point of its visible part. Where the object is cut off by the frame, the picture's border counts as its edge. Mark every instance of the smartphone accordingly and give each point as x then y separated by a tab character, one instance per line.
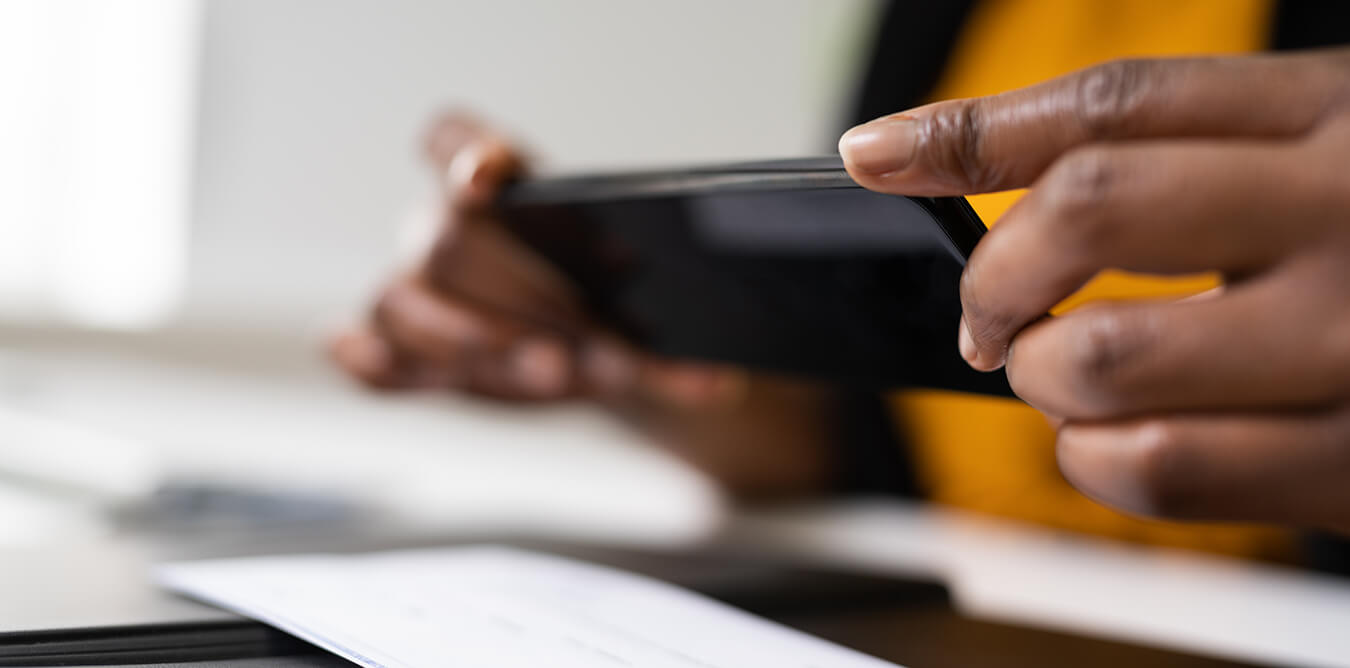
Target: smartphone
787	267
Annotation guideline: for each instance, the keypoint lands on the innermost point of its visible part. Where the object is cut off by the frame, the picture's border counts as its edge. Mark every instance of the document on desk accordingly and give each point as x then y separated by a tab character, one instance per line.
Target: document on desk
490	607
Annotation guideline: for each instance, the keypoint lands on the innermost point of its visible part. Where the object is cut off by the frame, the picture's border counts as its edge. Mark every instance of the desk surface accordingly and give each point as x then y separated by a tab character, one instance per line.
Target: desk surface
1013	572
909	622
997	571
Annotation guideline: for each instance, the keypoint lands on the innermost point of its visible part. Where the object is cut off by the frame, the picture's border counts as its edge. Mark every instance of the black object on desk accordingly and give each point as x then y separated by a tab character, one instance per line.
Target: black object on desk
204	642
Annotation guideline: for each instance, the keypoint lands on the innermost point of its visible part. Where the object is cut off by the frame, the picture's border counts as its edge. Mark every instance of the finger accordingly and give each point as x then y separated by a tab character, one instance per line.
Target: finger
535	367
693	385
435	328
1005	141
1162	208
376	363
483	262
1286	468
470	157
476	173
612	369
450	132
470	346
1234	352
370	358
367	357
609	367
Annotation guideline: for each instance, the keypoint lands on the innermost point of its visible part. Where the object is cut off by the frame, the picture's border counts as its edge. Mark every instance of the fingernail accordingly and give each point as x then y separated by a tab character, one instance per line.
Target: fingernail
540	367
463	169
966	343
880	146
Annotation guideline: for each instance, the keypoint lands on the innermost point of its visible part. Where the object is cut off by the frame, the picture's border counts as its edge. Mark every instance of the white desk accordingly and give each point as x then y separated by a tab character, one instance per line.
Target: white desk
445	467
1009	571
272	414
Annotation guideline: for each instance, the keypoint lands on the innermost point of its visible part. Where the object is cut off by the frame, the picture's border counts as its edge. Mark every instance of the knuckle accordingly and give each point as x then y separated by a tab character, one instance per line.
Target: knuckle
1164	470
1105	358
1077	195
1108	97
952	141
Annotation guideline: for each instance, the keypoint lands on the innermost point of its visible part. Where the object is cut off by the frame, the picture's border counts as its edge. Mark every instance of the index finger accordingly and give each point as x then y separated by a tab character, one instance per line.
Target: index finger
471	158
1006	141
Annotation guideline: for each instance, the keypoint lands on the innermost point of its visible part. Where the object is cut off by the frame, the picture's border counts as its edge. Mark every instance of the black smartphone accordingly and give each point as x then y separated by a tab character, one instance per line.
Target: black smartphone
785	266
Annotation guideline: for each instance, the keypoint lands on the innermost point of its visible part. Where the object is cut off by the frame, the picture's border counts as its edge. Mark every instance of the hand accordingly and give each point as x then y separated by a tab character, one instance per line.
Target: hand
1234	406
481	313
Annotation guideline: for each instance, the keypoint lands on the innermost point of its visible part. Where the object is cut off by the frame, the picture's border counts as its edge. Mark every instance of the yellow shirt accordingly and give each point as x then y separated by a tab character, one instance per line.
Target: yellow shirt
997	456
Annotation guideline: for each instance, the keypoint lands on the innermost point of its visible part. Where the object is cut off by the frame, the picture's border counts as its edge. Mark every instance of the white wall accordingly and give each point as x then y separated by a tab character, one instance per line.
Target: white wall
97	107
311	110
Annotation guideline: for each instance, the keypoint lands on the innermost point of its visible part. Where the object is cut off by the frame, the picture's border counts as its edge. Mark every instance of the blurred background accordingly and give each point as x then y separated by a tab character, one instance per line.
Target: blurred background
245	164
196	192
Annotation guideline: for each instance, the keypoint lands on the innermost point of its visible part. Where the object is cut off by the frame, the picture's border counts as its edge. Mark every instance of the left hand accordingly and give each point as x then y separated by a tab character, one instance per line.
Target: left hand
1235	406
482	314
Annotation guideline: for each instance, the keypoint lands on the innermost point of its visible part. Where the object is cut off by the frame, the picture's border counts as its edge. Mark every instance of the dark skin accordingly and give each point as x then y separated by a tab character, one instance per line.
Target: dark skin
1234	406
481	314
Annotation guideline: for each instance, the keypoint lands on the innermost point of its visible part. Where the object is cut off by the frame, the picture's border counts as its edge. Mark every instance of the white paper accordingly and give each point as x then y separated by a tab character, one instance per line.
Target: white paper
489	607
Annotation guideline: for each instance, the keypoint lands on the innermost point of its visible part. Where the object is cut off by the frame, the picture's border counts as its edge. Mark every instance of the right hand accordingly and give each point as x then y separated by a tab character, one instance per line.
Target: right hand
481	313
1231	407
